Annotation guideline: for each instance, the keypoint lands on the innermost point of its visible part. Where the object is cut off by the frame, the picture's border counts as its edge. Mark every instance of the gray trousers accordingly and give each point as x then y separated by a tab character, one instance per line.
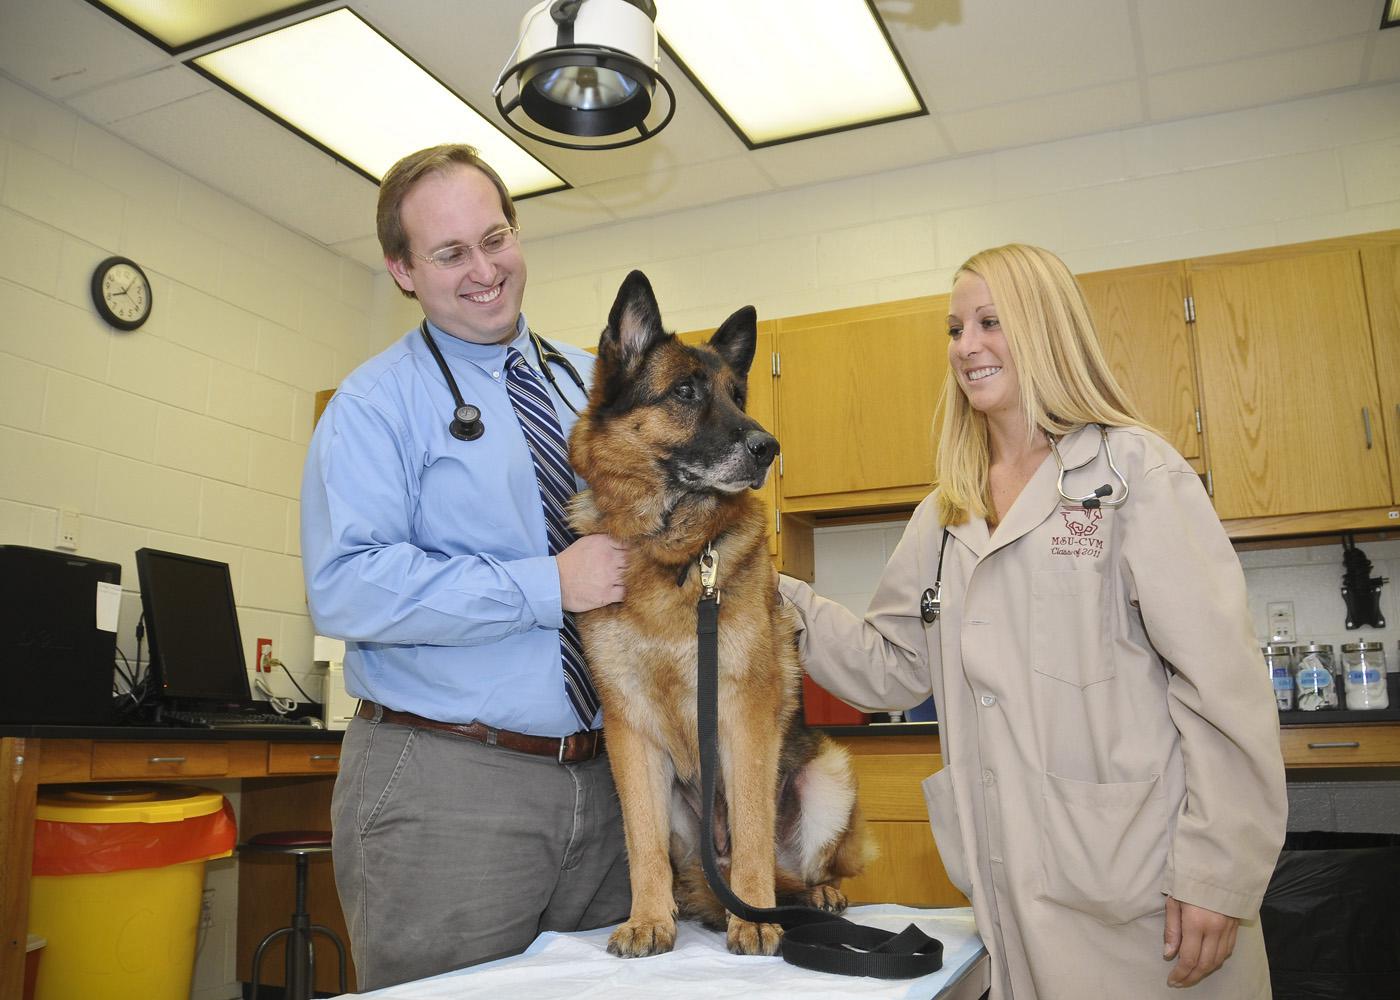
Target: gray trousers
449	852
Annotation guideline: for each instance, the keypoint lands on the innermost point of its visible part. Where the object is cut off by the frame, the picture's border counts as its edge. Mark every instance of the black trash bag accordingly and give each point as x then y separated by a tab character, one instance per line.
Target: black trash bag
1331	917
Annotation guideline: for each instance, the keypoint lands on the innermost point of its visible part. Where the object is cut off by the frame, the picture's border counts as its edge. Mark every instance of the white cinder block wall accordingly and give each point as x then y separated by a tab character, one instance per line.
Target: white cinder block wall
190	433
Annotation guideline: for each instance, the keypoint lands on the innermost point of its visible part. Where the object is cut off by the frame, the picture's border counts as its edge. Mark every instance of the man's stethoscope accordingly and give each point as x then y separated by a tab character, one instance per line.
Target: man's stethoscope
931	600
466	417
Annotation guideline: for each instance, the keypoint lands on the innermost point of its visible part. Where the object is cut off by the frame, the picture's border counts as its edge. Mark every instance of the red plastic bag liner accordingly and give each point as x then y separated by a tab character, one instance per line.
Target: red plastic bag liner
93	848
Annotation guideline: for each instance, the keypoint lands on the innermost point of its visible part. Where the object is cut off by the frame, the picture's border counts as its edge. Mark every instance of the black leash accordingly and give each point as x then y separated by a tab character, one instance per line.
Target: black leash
812	938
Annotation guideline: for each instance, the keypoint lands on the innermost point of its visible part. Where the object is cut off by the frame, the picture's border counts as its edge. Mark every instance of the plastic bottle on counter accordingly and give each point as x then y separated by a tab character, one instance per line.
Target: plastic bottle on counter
1279	662
1363	664
1314	677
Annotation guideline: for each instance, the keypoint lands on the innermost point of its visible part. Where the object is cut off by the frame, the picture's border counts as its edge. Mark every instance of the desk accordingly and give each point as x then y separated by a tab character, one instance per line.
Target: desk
289	779
565	966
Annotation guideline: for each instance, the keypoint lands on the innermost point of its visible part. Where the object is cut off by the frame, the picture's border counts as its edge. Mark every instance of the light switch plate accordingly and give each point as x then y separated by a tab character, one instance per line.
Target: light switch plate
1281	624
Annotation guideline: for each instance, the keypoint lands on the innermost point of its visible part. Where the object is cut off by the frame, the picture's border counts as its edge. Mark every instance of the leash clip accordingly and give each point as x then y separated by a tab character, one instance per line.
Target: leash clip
709	574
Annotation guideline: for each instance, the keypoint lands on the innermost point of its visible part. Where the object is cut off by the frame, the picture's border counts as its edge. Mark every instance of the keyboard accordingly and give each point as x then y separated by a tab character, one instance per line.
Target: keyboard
263	721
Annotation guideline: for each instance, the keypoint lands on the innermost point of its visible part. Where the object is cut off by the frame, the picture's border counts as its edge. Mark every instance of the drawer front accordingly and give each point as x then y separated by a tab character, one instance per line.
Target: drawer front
889	785
1340	746
303	758
159	760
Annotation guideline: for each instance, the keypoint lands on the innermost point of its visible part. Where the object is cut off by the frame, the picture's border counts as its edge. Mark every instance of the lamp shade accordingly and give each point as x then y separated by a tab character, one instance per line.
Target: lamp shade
586	70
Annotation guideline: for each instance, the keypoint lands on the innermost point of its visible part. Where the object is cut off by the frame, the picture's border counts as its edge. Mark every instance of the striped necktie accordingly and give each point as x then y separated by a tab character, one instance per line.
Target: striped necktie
556	482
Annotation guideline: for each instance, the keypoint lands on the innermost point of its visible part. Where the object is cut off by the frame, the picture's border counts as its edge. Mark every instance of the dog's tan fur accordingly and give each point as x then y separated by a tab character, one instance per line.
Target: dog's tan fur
787	819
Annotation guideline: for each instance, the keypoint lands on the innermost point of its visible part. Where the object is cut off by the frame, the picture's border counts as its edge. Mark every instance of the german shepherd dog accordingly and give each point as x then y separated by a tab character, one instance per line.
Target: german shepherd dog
671	458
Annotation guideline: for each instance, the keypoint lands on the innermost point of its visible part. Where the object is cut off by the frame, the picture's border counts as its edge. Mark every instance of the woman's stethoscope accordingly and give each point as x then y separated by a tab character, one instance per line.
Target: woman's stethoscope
1101	497
466	418
931	600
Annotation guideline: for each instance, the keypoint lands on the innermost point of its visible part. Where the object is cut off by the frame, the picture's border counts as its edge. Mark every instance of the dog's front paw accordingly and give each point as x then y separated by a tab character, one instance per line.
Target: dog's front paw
640	938
745	938
824	897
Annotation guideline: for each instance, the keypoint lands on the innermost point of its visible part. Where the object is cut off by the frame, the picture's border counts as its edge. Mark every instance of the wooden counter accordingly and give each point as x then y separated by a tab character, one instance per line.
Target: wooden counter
288	779
891	761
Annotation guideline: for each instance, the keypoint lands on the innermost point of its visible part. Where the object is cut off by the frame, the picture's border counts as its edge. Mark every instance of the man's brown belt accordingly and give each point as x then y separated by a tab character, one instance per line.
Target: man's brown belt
569	749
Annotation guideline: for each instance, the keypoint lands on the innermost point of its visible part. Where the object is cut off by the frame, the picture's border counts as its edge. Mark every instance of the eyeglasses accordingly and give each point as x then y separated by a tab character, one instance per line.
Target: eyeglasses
460	253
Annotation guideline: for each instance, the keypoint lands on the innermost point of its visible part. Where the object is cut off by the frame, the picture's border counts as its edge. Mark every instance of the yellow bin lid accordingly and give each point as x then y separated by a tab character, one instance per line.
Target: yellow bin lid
126	803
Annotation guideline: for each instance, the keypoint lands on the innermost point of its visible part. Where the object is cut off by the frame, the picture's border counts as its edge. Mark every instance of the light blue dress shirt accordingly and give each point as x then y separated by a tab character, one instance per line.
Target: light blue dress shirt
428	554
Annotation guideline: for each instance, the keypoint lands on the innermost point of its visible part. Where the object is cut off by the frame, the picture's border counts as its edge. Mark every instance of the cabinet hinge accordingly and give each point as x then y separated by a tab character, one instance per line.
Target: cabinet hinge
1190	309
777	522
1210	484
780	465
776	364
1198	421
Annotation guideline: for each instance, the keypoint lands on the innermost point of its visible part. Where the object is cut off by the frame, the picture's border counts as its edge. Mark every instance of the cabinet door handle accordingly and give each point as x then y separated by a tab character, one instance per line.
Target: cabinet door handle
165	760
1366	420
1338	745
325	756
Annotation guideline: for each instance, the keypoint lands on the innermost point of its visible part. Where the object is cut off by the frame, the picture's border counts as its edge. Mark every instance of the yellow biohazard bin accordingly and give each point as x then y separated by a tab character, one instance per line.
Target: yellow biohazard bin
118	880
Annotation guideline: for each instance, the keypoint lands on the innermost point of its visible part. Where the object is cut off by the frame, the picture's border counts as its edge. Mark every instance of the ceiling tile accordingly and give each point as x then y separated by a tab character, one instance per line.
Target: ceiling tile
1385	56
681	187
364	250
1053	116
1263	79
1187	33
1000	52
115	101
847	154
62	47
235	149
560	212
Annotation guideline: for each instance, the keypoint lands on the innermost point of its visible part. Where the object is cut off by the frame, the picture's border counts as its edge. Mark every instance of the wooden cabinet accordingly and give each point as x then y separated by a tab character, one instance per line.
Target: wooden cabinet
857	391
789	535
888	772
1380	269
1288	378
1140	315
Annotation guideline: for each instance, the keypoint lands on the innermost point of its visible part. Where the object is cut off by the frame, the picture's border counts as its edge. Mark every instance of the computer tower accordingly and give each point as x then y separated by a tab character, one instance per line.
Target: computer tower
58	614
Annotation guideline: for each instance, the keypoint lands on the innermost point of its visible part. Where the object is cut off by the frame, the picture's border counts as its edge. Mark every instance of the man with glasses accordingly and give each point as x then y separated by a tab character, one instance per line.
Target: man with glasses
474	807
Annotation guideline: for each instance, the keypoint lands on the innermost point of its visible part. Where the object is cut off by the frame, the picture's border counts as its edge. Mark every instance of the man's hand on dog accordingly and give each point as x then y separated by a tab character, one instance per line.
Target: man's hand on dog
590	573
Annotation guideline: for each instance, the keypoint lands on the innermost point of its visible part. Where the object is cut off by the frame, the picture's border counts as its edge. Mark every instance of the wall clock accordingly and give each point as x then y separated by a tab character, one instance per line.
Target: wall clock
121	292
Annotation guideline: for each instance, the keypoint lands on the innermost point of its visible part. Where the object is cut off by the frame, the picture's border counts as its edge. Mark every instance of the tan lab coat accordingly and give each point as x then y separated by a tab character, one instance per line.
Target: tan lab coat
1108	727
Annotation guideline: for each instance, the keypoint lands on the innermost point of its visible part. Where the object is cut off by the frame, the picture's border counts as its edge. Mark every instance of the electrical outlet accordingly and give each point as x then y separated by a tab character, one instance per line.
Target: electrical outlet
264	654
206	910
67	530
1281	621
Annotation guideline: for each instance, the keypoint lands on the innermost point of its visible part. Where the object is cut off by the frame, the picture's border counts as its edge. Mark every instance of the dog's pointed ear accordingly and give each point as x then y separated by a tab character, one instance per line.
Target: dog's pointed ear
634	324
735	339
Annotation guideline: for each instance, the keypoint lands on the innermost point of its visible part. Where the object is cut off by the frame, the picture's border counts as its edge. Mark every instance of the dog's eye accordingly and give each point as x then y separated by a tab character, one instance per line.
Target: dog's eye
685	390
739	397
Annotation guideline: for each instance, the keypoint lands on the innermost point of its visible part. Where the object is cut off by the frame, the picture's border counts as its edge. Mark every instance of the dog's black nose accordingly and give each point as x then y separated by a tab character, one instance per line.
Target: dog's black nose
762	446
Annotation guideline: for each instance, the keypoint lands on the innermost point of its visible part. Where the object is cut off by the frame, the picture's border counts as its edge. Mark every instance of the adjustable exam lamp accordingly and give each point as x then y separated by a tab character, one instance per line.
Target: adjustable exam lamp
587	71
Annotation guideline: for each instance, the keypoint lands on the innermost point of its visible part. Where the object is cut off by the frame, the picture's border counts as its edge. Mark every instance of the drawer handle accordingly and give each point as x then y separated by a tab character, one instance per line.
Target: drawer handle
325	756
1338	745
165	760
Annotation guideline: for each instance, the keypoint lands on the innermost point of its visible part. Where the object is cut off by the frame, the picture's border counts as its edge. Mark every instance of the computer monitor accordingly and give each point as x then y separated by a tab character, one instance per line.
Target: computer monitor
192	625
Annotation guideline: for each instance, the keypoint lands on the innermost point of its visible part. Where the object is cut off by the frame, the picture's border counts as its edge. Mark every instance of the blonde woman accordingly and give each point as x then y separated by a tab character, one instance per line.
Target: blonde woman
1112	799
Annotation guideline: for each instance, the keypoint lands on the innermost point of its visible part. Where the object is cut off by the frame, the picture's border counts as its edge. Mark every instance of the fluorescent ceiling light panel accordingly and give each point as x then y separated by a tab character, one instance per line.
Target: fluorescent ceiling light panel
340	83
1390	17
782	71
182	25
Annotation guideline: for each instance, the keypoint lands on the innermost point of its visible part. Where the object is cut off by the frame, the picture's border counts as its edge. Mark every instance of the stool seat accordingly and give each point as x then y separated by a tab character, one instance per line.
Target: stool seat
291	839
300	951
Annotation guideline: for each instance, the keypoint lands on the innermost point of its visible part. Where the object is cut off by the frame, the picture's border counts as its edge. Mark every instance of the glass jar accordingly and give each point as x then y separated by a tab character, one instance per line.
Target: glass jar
1363	666
1280	664
1314	677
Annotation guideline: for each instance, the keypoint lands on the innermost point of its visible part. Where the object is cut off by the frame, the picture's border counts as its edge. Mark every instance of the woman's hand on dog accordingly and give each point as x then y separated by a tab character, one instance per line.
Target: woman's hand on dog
590	573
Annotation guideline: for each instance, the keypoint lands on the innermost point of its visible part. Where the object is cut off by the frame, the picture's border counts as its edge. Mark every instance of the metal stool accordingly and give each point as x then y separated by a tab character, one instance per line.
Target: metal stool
300	947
